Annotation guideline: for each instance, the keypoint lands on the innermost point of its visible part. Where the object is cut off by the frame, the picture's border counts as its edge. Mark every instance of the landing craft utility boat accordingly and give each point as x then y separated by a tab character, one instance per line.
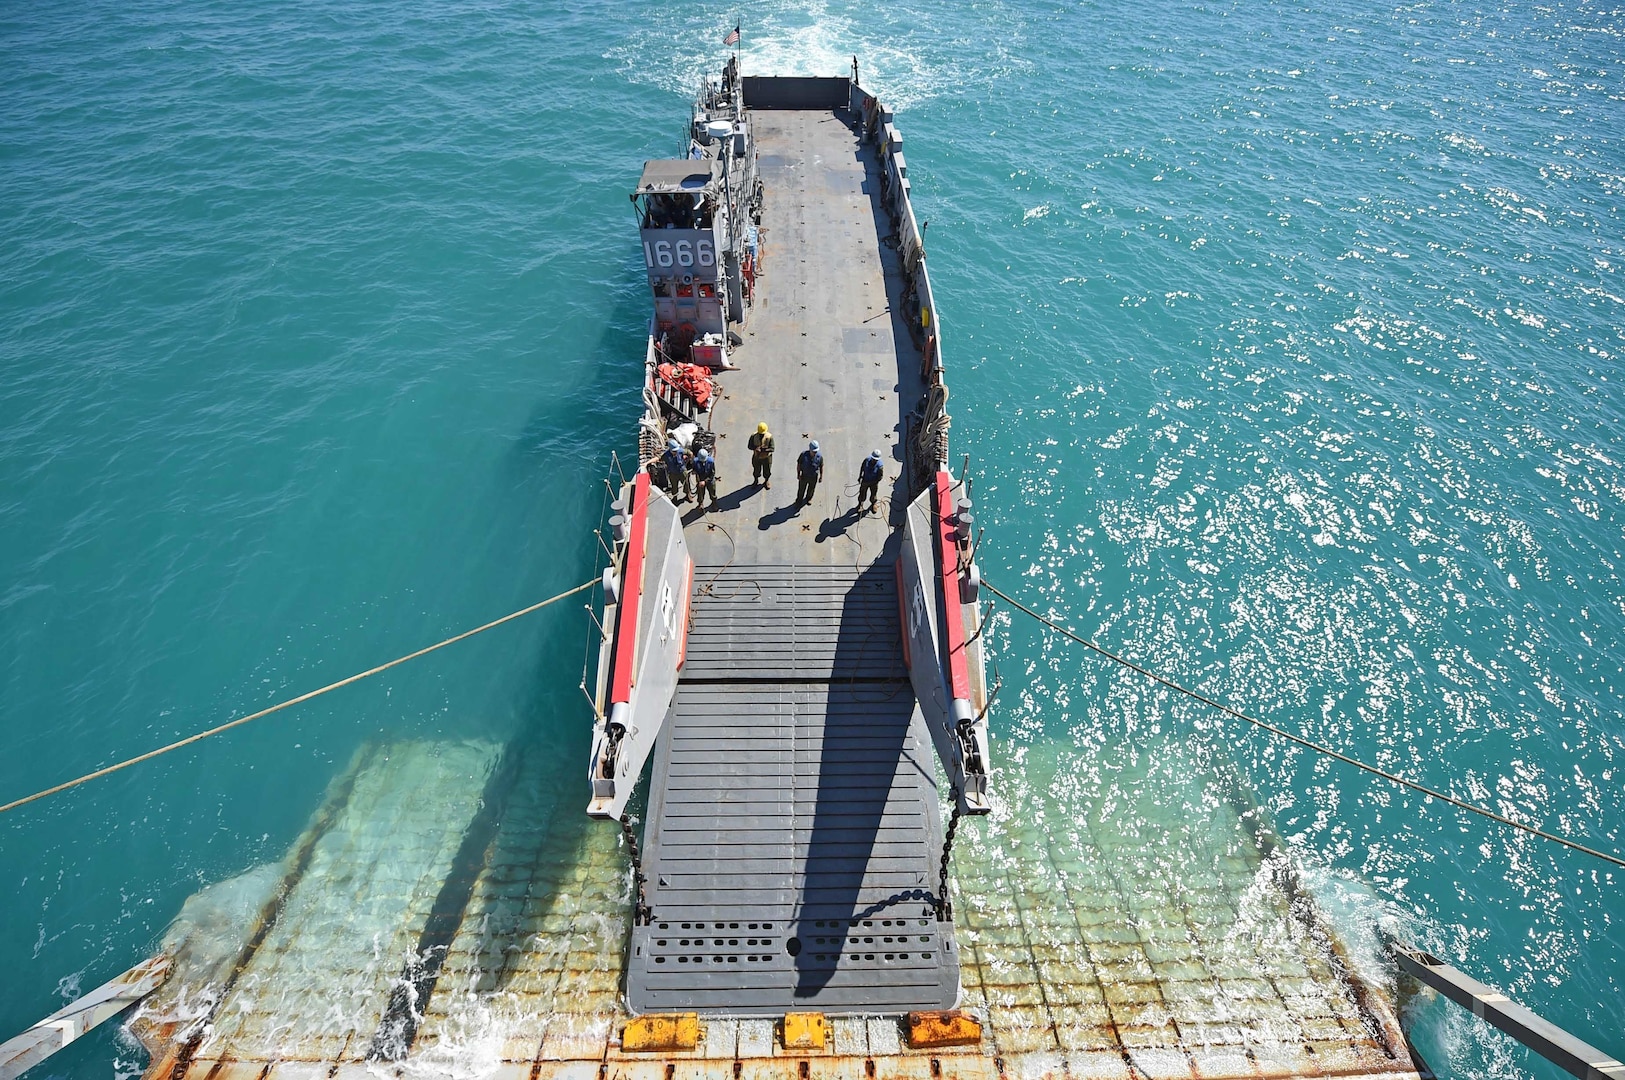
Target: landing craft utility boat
791	669
803	684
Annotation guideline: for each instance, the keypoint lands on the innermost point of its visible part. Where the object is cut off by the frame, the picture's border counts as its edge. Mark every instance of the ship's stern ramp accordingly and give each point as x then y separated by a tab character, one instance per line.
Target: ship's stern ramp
793	838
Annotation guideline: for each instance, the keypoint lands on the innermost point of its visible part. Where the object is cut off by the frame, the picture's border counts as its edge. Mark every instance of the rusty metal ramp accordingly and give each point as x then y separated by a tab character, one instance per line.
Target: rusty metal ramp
793	835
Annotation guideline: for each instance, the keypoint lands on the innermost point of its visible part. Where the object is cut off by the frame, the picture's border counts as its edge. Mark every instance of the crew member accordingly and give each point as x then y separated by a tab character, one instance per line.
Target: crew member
678	462
809	470
869	476
761	456
705	479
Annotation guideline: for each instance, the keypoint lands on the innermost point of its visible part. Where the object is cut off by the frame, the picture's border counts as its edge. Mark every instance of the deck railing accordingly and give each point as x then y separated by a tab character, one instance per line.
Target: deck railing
927	449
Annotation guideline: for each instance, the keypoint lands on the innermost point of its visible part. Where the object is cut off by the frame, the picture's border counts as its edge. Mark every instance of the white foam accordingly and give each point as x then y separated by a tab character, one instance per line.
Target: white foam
896	51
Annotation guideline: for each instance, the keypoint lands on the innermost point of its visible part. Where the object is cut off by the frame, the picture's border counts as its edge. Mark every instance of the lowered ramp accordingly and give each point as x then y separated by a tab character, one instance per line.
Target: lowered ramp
793	840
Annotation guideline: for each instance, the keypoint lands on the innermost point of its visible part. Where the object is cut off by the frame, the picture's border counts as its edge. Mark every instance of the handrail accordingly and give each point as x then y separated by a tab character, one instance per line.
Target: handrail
930	435
1487	1003
62	1027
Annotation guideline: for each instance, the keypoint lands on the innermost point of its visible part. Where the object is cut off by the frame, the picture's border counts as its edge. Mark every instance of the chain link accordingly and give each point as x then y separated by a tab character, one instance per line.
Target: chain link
945	906
642	914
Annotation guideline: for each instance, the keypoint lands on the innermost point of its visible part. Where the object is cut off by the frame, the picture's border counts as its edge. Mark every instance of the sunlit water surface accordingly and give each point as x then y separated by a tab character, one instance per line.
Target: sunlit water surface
1283	341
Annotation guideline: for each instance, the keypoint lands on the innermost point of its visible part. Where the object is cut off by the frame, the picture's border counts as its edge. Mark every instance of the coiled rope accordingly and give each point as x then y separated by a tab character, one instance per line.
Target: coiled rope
329	688
1318	748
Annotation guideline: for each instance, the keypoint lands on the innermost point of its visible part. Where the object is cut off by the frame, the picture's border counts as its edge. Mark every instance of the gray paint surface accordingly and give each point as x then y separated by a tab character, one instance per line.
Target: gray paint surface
825	356
661	614
793	792
793	831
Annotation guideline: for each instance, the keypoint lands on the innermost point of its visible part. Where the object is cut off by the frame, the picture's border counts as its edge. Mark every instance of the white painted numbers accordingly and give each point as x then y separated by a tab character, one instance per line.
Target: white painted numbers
681	253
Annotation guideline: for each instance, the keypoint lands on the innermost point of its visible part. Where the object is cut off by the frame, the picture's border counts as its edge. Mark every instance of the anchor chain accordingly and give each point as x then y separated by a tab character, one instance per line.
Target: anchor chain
642	914
945	906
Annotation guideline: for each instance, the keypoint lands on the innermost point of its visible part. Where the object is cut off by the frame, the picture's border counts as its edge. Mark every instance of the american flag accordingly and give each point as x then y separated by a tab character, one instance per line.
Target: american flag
733	37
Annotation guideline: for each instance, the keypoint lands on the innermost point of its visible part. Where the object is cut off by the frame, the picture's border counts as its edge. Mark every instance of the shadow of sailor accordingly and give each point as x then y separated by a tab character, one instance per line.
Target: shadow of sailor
831	527
778	517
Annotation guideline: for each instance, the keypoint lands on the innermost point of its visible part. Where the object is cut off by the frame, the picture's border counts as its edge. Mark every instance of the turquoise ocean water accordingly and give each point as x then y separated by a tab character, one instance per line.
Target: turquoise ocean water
1284	340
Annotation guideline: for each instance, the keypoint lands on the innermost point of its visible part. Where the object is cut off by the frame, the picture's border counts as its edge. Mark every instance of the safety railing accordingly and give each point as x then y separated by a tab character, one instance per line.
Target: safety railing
928	431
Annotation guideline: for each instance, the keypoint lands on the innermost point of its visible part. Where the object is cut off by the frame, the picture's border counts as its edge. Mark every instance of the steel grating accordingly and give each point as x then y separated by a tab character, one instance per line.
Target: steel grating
791	623
793	831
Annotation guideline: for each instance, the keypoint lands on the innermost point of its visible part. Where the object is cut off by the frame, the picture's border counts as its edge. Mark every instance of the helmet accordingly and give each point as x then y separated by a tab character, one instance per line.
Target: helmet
875	454
673	444
703	455
761	429
813	445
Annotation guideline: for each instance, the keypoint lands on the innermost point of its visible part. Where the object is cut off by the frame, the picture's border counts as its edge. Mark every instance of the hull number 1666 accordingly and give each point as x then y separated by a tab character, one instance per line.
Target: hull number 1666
665	253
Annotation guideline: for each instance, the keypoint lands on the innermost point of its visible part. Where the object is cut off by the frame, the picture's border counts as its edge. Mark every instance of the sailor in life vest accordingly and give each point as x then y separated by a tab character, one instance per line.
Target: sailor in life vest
870	474
677	462
705	479
761	456
809	470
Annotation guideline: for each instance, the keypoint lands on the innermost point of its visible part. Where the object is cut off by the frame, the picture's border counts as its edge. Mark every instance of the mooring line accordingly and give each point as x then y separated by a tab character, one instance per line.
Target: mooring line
329	688
1318	748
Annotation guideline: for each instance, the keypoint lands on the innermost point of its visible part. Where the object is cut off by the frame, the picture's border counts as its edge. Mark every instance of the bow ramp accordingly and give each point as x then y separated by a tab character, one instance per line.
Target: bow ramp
793	832
793	850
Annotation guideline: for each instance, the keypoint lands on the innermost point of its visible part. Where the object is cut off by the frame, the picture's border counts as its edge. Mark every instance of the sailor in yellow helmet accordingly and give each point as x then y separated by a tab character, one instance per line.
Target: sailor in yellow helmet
761	456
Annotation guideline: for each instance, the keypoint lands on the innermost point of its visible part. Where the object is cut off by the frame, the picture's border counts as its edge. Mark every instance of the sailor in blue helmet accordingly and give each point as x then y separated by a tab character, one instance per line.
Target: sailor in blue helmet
705	479
677	462
809	470
870	474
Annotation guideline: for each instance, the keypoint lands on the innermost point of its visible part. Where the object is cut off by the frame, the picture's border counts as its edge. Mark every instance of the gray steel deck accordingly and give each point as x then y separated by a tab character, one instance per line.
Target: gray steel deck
825	356
793	831
793	834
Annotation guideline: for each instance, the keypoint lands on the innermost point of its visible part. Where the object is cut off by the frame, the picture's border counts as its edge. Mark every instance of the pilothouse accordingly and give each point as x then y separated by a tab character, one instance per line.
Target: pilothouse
698	222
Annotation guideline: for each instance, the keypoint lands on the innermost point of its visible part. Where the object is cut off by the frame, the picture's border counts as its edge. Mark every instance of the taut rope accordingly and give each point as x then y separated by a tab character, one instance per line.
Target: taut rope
329	688
1300	740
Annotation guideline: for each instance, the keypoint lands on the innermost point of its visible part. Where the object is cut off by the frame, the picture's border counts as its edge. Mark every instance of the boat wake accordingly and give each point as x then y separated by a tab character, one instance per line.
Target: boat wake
901	58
